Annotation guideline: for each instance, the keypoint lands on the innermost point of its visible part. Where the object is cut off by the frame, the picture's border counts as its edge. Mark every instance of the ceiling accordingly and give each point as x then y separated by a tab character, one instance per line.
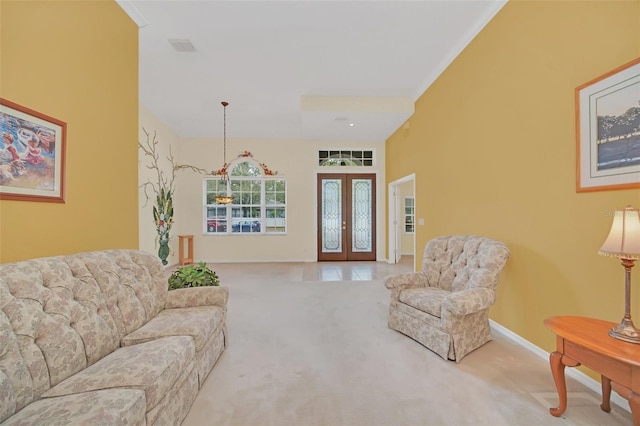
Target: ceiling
297	69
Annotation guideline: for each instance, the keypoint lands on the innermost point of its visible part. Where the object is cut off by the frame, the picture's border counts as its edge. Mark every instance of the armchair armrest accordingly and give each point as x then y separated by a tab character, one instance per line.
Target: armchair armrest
197	296
406	279
469	301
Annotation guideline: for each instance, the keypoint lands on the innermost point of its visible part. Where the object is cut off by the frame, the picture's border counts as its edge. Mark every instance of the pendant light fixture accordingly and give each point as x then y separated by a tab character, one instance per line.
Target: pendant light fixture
224	173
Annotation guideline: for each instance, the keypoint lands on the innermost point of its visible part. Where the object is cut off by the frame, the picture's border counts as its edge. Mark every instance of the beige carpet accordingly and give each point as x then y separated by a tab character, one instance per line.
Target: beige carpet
319	353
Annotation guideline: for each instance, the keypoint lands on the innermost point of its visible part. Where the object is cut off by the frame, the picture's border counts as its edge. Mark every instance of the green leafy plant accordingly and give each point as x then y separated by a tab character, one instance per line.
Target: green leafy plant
196	275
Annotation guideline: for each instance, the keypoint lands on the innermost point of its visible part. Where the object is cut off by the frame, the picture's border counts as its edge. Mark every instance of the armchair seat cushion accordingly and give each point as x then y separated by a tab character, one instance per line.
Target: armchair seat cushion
425	299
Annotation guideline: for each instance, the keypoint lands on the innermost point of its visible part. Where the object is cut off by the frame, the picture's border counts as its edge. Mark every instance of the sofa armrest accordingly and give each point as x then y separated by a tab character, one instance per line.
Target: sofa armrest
406	279
197	296
469	301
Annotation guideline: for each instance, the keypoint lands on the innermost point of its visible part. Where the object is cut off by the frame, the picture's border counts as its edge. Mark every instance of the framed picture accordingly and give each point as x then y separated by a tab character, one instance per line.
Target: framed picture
608	130
32	153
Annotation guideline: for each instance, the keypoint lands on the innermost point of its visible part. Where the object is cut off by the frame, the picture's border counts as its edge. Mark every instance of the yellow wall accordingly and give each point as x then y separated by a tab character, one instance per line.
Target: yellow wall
76	61
492	144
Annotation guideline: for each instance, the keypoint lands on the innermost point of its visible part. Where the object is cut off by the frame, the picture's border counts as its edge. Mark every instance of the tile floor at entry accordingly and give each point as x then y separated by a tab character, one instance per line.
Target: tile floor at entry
313	271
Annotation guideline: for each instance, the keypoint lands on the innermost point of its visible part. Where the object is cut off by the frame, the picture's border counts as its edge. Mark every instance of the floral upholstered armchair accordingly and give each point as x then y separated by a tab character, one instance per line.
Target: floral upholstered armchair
445	307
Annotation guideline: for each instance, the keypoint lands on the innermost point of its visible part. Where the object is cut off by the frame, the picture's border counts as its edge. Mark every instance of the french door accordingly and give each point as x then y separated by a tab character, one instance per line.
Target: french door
346	217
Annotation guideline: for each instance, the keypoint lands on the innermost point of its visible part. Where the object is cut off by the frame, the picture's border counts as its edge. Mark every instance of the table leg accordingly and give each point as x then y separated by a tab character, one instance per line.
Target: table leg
181	250
606	394
557	369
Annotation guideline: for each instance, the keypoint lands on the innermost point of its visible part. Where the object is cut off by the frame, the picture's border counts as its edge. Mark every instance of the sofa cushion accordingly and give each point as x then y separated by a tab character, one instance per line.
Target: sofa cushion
153	367
199	322
16	381
425	299
132	283
175	406
102	407
38	298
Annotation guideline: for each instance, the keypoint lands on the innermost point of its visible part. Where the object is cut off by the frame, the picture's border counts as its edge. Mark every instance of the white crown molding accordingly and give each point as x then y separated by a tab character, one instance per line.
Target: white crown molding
133	12
458	48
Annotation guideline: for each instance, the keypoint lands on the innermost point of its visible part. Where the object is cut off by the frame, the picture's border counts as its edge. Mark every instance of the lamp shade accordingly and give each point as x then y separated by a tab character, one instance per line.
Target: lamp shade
624	237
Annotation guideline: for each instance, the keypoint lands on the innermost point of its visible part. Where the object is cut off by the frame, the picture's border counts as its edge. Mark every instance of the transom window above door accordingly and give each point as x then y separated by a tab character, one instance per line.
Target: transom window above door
346	157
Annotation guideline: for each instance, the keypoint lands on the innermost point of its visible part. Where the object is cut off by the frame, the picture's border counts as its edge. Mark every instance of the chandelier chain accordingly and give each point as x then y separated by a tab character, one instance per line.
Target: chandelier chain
228	197
224	132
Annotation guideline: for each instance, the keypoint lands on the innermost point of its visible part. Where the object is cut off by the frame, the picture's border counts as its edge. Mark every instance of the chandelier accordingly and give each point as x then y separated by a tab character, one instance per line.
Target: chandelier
227	197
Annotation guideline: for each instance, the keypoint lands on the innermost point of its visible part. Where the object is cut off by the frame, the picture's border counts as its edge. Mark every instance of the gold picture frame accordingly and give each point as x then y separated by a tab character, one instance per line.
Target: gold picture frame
32	155
608	130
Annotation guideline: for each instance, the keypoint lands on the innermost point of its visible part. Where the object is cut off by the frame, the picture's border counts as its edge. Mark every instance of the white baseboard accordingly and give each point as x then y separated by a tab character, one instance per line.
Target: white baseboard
571	372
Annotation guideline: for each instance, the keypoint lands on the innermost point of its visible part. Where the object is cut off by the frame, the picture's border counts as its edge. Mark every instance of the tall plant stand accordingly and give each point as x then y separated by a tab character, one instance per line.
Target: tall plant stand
182	259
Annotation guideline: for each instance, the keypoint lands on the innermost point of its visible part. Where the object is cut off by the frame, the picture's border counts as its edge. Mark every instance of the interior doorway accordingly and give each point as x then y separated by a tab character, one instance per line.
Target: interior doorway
346	216
401	219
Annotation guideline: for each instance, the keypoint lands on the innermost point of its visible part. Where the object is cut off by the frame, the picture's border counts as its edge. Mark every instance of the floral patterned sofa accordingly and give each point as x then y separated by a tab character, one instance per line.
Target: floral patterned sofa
445	307
97	339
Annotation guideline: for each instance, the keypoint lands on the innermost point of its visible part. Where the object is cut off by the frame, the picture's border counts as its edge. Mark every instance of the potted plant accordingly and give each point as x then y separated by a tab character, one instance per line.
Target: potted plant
195	275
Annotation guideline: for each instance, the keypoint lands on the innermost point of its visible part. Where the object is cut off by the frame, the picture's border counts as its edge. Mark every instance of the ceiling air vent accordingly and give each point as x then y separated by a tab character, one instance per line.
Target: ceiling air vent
182	45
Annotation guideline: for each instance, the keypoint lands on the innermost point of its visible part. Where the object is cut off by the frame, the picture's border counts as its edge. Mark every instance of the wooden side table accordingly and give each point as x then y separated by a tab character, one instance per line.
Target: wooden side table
182	259
586	341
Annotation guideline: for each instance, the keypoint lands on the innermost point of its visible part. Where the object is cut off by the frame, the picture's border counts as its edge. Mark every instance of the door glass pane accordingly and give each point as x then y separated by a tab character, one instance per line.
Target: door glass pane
331	216
361	208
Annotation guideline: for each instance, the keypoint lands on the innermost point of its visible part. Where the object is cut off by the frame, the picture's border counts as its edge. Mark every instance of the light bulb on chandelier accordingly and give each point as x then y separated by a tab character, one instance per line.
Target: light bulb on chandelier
227	197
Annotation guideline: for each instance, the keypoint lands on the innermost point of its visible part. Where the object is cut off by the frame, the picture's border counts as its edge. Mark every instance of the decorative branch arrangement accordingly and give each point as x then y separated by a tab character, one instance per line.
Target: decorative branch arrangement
163	188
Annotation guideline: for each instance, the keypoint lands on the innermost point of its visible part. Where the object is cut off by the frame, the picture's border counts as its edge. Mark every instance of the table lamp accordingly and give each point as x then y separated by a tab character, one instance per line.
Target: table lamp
623	242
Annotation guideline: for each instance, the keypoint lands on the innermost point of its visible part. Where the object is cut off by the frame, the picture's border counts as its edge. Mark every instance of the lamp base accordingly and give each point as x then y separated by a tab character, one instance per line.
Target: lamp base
626	331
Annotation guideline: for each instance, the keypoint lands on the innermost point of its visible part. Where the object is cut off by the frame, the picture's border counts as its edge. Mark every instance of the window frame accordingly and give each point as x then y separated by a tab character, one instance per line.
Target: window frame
267	204
412	215
347	157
